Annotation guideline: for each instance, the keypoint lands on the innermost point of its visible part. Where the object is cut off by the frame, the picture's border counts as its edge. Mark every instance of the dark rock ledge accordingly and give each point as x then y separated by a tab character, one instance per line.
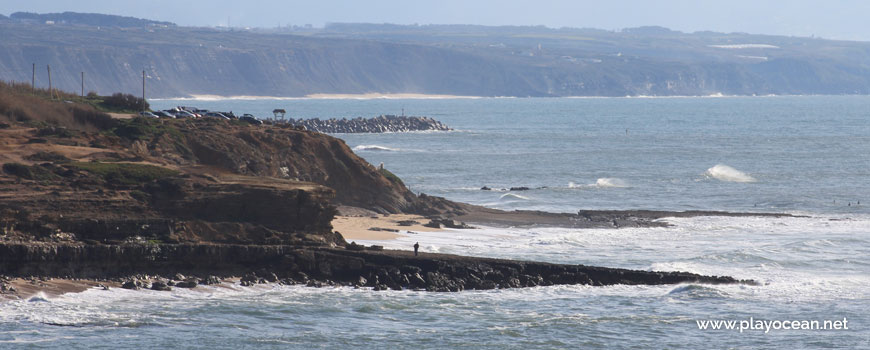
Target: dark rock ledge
314	266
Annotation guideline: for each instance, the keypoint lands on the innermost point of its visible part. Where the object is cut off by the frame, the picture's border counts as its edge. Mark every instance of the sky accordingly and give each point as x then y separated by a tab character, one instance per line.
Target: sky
832	19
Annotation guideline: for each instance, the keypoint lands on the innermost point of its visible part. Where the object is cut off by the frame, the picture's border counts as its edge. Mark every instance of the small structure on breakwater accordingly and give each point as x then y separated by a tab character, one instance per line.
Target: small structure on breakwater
384	123
279	114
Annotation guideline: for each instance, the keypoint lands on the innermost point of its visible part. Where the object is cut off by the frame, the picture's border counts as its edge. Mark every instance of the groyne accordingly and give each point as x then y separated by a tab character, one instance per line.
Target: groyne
354	265
384	123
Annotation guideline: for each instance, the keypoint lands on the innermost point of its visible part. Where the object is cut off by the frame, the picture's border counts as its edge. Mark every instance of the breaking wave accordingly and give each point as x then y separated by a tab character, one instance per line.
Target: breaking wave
611	182
513	196
375	148
723	172
604	182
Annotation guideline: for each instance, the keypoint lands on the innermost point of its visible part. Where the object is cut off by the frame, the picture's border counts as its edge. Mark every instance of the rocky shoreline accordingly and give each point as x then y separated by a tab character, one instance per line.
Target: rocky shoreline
84	195
384	123
162	266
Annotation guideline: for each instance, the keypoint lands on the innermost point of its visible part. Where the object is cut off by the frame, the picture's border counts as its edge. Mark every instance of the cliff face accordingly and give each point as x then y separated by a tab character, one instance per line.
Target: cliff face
284	152
478	61
66	177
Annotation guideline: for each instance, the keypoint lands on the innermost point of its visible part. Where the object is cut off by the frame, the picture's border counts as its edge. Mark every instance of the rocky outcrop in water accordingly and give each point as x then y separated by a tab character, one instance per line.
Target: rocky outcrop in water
384	123
317	266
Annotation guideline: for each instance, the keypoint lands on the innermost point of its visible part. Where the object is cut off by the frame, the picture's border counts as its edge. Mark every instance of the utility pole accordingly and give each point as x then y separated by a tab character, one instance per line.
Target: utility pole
83	84
143	90
33	80
50	91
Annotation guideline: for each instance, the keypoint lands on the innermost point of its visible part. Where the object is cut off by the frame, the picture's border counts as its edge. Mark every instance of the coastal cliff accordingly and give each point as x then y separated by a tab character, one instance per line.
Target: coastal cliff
85	195
432	59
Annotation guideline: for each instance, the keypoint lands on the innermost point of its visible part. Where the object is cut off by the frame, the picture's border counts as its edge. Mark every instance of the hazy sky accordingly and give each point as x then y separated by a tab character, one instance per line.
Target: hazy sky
835	19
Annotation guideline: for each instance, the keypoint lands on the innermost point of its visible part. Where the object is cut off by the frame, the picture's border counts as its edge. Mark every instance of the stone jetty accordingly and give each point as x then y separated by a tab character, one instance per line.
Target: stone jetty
353	265
384	123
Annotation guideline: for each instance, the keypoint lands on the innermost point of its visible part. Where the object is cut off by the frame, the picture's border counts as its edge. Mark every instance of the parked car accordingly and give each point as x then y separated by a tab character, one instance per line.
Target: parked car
184	114
248	118
147	114
163	114
216	115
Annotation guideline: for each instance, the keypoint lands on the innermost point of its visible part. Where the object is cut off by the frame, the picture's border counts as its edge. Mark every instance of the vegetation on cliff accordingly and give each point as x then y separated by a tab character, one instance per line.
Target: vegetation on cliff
126	173
101	198
73	172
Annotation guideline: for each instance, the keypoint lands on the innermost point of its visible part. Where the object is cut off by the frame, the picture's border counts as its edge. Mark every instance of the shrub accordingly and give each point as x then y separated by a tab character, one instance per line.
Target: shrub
28	172
139	195
140	128
59	131
87	115
125	102
126	173
43	156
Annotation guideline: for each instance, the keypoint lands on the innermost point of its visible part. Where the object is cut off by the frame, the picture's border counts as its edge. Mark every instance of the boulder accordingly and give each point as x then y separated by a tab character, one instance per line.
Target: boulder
161	286
189	283
211	279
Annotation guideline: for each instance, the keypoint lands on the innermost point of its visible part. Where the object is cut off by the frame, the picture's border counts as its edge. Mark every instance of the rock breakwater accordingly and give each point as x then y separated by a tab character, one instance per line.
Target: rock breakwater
316	266
384	123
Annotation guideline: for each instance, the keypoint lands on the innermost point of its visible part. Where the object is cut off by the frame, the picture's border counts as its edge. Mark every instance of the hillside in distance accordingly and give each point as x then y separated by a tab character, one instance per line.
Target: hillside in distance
432	59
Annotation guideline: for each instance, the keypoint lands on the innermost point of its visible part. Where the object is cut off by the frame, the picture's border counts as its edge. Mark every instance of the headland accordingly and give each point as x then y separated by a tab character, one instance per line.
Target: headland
139	202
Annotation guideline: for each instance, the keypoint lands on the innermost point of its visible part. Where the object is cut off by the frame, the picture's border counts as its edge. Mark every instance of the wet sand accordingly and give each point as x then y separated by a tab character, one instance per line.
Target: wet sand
51	287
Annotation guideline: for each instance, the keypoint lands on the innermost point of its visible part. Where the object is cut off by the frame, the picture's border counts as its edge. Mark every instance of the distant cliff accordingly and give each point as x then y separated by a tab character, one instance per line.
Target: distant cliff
452	60
90	19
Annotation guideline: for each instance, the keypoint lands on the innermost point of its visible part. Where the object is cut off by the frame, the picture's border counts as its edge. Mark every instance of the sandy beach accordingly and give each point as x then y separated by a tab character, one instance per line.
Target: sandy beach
375	95
379	226
51	287
366	96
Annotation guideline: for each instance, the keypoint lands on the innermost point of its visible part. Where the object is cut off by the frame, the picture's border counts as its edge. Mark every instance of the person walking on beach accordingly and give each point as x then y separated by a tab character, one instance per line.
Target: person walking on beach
416	247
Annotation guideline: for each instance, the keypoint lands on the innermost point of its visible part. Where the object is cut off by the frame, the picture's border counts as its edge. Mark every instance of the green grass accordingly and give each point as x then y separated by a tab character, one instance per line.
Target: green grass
392	177
91	99
141	128
126	173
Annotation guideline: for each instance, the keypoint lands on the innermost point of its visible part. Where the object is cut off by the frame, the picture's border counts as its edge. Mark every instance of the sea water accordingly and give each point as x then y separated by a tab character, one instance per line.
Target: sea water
805	155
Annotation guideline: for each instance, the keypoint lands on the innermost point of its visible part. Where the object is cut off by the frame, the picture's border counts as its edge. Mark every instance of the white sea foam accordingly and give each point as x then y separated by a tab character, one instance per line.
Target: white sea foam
761	58
604	182
375	148
39	297
513	196
745	46
611	182
793	258
723	172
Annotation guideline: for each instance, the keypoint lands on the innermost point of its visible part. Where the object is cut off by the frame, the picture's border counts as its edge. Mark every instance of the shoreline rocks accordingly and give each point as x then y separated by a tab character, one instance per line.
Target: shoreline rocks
313	266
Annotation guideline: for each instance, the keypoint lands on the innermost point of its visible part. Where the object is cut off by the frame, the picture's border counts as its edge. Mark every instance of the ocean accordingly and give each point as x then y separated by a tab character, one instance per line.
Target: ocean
803	155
